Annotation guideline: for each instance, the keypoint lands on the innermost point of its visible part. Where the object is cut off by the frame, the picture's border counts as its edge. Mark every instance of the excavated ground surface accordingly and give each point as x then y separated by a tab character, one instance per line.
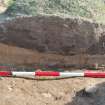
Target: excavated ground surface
15	91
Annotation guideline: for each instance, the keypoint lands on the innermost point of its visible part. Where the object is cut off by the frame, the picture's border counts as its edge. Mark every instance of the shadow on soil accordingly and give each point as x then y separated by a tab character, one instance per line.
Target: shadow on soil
90	98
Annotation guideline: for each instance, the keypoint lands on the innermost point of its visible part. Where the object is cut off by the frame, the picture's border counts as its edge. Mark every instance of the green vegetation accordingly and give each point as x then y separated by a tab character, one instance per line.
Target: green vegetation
91	9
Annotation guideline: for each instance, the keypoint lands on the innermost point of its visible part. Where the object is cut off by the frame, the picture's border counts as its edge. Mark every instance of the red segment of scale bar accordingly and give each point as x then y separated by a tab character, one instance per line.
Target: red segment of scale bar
47	73
5	73
94	74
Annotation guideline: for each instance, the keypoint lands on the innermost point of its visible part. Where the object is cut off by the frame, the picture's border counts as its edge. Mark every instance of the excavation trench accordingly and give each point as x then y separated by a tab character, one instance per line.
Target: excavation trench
53	40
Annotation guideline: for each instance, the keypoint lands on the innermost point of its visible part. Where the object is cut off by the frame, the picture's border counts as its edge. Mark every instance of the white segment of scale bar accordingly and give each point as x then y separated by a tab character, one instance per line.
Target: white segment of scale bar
71	74
23	74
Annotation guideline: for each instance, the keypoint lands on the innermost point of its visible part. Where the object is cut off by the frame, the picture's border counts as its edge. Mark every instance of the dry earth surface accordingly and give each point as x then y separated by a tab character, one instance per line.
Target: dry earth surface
15	91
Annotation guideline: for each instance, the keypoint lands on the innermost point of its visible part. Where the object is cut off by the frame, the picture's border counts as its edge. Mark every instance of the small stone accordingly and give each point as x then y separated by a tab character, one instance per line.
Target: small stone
47	95
9	88
91	89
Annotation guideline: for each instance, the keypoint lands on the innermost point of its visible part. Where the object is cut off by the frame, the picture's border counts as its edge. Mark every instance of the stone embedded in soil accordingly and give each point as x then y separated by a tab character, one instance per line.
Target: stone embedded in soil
91	89
47	95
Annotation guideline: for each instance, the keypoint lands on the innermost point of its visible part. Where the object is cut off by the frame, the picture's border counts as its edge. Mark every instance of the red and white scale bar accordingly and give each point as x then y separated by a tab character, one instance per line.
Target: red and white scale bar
86	73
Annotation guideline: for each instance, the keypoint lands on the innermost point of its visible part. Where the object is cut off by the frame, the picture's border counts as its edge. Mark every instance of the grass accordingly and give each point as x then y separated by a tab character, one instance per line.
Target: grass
91	9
